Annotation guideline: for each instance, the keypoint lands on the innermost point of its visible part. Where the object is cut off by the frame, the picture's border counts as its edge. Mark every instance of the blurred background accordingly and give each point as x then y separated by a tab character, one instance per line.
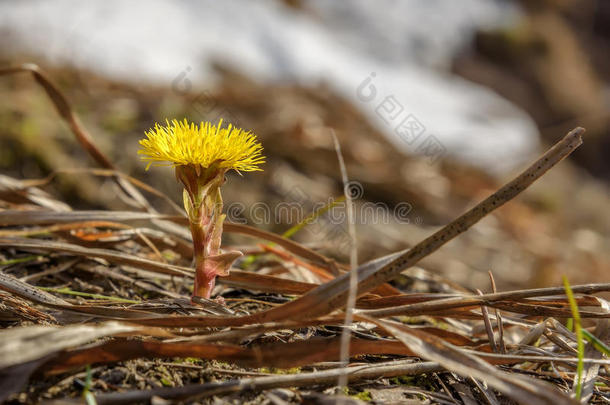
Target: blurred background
435	103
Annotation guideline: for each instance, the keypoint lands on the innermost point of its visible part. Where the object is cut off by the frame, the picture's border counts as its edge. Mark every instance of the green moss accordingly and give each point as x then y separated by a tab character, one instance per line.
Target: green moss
421	381
403	380
363	396
273	370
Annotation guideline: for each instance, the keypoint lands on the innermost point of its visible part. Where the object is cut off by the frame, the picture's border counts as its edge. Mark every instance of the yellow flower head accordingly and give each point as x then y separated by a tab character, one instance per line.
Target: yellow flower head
182	144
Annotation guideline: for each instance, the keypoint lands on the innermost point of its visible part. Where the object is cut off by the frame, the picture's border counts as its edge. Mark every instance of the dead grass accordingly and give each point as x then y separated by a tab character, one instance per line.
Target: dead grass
109	290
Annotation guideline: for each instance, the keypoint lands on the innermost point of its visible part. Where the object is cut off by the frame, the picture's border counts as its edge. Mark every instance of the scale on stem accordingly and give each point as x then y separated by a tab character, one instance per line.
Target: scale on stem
201	155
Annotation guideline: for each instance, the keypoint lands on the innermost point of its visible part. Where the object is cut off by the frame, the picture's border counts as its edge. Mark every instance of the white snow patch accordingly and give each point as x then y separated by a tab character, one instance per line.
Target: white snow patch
408	45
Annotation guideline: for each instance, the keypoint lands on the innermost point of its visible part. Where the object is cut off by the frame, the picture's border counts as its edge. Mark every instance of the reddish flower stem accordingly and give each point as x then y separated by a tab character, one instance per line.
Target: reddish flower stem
203	203
204	282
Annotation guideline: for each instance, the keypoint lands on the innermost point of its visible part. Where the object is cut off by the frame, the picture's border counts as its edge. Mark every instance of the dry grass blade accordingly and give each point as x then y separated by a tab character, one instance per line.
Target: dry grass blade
237	278
22	218
24	349
485	299
527	391
264	283
12	379
27	184
20	345
539	310
113	274
72	226
602	332
38	296
29	292
488	326
13	308
15	191
441	307
496	358
498	316
353	277
113	256
487	393
43	217
281	355
327	377
527	306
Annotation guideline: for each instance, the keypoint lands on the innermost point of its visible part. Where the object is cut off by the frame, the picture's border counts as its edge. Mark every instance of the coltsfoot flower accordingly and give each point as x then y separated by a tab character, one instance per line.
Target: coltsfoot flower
183	143
201	155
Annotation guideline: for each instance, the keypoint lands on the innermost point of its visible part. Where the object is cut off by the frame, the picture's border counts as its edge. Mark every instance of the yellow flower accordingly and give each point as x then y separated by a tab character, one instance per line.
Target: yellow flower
182	144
